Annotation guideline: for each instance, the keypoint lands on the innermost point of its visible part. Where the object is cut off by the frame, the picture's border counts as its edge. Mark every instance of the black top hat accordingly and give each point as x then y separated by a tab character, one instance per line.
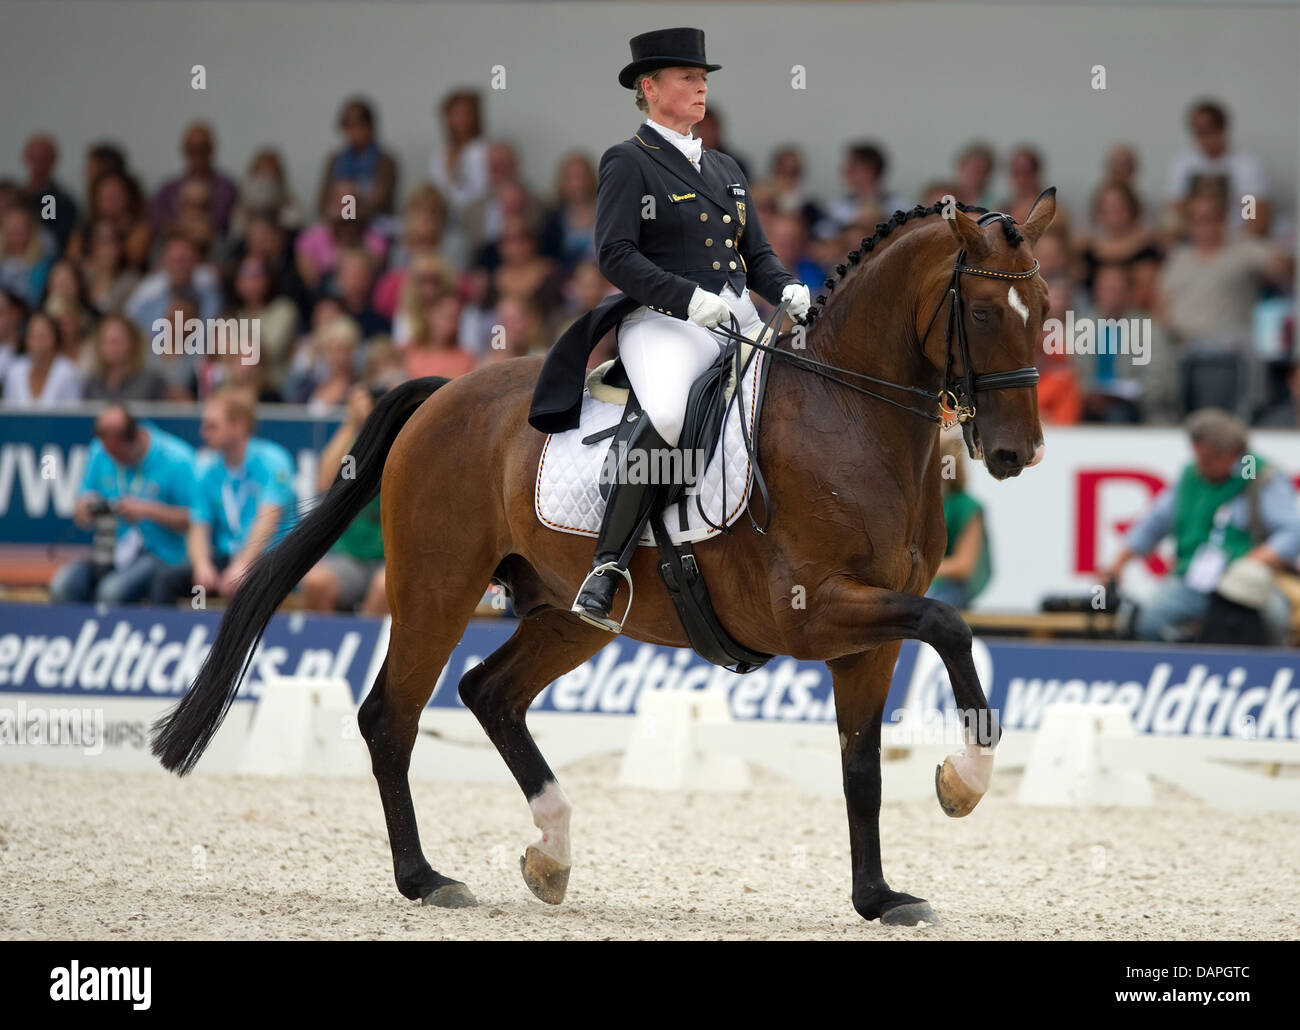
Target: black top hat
664	48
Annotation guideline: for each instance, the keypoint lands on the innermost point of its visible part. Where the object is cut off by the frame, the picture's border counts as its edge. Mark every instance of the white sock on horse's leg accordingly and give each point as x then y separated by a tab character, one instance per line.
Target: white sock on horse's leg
551	811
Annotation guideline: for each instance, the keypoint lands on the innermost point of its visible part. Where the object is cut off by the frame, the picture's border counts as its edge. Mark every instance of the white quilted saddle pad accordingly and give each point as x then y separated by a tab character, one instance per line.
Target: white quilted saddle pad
568	498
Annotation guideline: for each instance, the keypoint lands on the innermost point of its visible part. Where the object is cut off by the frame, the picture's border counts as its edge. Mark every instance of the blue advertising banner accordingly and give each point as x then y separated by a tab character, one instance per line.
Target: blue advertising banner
43	457
154	653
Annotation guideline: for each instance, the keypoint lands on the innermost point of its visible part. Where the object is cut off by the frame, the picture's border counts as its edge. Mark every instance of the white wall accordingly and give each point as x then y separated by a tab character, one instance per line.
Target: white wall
923	77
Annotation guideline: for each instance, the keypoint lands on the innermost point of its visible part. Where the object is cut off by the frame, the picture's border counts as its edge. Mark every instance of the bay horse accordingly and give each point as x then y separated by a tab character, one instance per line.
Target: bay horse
856	534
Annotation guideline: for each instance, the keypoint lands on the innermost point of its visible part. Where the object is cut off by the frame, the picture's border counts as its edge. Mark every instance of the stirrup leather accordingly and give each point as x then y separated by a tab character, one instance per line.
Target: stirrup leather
597	620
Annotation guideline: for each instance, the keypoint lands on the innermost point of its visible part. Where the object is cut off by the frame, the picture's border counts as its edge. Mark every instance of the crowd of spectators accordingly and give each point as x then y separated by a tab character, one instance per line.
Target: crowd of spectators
388	273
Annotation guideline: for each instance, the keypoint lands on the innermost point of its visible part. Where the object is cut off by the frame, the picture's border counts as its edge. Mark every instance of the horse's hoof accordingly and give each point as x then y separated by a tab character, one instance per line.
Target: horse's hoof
451	895
545	877
909	914
955	797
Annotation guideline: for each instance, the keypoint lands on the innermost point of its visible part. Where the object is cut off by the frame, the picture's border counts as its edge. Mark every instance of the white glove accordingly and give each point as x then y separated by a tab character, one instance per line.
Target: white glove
800	300
707	309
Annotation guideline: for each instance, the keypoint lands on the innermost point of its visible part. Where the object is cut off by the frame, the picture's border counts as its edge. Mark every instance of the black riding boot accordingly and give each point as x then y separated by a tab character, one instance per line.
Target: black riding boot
627	510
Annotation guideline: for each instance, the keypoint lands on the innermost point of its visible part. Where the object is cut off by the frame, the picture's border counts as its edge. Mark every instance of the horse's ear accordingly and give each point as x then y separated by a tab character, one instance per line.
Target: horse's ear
969	235
1040	215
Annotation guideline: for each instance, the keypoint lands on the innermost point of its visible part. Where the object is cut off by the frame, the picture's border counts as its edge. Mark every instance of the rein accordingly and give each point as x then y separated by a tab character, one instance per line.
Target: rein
957	396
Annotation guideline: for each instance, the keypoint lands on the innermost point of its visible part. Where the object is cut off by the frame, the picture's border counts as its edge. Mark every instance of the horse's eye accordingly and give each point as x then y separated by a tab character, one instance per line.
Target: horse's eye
980	315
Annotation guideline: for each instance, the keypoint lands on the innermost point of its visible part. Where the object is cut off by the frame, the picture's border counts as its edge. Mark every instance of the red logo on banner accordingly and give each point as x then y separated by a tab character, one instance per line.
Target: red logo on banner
1087	516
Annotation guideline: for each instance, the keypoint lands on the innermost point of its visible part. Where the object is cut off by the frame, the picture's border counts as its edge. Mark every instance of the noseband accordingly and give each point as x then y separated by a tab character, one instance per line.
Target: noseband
956	399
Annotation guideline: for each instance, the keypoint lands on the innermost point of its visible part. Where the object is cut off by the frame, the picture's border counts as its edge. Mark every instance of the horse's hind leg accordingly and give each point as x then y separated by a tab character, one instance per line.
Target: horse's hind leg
389	720
498	691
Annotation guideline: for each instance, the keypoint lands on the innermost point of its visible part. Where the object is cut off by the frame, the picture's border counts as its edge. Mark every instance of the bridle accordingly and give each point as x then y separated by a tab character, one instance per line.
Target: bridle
956	399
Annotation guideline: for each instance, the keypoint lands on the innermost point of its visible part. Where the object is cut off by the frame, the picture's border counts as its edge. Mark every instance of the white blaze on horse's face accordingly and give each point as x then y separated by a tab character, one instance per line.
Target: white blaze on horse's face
1018	305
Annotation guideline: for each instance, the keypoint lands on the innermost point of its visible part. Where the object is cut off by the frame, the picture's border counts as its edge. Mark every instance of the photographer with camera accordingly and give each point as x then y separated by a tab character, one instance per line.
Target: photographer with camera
135	495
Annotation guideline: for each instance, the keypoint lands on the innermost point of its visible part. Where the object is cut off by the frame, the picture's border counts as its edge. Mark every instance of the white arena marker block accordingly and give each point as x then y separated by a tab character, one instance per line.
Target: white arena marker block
664	750
304	726
1066	764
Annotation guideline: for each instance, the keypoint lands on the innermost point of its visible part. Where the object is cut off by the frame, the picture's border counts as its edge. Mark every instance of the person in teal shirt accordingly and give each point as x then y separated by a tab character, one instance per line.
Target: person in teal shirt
967	562
146	477
245	500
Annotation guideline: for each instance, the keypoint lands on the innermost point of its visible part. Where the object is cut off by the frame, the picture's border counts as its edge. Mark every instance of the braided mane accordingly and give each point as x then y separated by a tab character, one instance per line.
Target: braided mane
883	229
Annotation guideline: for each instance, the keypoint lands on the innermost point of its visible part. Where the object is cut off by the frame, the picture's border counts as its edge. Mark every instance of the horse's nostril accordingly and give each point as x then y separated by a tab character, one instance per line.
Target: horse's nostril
1006	459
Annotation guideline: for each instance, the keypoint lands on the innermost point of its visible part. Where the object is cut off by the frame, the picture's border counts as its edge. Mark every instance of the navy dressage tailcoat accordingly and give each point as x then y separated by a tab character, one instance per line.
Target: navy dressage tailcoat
662	228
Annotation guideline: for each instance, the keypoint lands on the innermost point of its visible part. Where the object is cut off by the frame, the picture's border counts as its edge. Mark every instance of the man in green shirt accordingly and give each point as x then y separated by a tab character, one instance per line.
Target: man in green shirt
1227	505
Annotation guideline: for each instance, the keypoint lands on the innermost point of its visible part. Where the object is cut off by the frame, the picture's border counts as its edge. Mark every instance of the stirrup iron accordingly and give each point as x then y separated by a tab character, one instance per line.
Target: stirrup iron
595	620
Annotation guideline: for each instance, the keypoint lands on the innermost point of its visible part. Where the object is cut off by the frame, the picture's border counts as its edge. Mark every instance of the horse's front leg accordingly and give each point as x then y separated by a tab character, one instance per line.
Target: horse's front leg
861	685
853	617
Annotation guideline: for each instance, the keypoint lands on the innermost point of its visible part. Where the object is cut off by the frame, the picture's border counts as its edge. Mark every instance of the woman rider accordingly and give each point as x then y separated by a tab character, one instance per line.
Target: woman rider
677	234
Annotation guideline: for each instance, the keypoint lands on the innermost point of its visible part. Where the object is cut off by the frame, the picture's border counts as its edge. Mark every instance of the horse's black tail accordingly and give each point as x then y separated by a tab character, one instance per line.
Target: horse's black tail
181	736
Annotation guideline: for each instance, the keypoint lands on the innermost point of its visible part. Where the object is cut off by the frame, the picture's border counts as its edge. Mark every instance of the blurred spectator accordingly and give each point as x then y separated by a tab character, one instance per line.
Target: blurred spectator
521	330
352	573
789	190
507	196
423	223
383	368
1060	396
245	499
569	231
1204	295
1132	373
277	317
194	218
1285	414
523	272
317	248
333	371
40	155
267	240
1120	166
435	349
1212	158
13	313
1227	505
119	369
198	148
459	166
180	371
105	270
864	169
1120	238
974	170
428	279
41	377
24	259
709	129
1024	175
1054	257
265	192
181	270
788	235
371	170
63	284
143	479
353	282
967	562
116	198
101	159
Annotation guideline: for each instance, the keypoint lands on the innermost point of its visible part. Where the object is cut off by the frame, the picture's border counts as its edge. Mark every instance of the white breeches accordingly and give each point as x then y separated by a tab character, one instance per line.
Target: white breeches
664	355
